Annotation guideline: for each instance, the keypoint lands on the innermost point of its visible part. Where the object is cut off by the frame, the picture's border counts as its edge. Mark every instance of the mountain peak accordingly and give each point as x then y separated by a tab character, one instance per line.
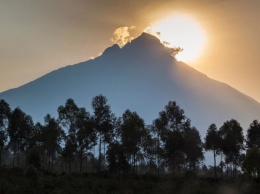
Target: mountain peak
145	35
143	42
111	49
146	46
146	38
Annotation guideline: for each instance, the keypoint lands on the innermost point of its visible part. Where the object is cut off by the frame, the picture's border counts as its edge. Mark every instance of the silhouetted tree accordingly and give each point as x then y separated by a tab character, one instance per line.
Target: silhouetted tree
68	118
193	147
251	164
159	128
132	133
86	135
174	150
51	136
103	122
5	113
34	157
150	150
27	136
20	132
69	151
170	126
213	143
253	135
173	118
116	158
232	144
81	135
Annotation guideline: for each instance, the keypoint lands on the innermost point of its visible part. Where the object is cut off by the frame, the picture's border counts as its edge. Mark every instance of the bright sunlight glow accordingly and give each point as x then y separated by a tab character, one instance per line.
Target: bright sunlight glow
180	31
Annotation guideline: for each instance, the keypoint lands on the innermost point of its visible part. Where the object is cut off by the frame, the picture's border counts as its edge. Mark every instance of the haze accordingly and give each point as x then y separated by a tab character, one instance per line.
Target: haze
40	36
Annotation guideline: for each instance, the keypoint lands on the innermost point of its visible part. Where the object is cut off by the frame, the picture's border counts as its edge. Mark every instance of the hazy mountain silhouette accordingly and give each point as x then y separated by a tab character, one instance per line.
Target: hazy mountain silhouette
142	76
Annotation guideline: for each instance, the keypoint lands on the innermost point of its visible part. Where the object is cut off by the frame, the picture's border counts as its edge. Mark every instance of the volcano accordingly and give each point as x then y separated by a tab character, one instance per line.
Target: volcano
143	77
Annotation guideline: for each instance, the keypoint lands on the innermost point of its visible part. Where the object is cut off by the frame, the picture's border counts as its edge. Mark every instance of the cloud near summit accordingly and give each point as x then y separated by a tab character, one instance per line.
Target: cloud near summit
122	35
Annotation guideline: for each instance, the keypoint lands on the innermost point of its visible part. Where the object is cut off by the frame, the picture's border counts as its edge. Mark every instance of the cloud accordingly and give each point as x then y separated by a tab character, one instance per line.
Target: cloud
122	35
155	32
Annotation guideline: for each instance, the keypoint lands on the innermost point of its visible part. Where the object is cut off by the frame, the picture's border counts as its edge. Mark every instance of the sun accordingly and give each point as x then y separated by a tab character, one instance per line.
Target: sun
181	31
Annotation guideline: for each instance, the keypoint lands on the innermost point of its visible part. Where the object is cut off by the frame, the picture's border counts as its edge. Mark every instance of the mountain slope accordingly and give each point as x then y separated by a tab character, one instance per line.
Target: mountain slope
141	76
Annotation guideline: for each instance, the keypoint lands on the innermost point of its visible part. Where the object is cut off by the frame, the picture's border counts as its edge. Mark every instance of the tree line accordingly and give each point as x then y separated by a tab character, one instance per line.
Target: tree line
78	141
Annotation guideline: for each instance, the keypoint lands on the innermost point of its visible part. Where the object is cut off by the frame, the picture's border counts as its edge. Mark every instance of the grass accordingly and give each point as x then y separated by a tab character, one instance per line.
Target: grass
33	181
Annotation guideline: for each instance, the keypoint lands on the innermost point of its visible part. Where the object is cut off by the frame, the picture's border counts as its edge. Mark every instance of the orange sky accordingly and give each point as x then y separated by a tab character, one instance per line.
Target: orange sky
40	36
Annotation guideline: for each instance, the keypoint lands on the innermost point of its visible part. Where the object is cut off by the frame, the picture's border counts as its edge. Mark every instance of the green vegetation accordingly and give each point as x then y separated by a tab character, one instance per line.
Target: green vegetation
60	156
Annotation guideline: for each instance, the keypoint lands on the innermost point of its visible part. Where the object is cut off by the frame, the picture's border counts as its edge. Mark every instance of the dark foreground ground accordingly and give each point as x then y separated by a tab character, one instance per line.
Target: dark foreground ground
32	181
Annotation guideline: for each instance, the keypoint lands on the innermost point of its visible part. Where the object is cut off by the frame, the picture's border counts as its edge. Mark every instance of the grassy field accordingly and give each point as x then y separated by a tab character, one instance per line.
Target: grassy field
33	181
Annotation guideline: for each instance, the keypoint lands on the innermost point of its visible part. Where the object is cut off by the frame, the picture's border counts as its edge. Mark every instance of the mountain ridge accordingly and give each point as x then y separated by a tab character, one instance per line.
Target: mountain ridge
128	76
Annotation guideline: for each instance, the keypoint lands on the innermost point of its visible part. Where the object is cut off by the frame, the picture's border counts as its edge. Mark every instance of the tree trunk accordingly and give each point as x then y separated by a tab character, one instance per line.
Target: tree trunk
104	150
0	156
86	163
234	170
99	157
158	146
49	162
221	165
93	162
134	164
25	159
257	186
75	165
14	155
80	165
52	159
69	166
18	156
215	168
227	170
173	174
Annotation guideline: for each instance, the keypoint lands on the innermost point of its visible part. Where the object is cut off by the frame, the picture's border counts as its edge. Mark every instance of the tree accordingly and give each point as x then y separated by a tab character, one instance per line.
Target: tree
102	122
34	157
69	151
232	144
132	134
86	135
81	135
159	128
150	151
172	119
253	135
27	136
68	118
193	147
116	158
20	132
213	143
51	136
5	113
169	127
251	164
174	150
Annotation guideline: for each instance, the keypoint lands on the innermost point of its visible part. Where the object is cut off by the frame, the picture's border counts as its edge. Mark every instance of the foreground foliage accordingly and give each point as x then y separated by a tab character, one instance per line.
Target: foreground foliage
131	155
15	180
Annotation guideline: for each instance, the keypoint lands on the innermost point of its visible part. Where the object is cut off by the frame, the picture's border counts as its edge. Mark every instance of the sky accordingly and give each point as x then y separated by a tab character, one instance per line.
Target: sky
39	36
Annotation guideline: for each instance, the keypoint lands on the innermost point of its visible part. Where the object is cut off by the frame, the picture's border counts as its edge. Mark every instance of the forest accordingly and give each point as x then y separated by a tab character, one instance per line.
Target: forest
97	152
